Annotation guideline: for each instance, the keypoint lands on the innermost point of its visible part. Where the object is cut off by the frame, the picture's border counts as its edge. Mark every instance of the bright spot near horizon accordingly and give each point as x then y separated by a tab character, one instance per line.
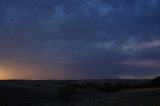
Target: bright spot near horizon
4	74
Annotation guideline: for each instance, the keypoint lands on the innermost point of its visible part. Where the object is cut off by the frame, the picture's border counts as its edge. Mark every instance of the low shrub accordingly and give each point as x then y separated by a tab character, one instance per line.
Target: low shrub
156	82
66	91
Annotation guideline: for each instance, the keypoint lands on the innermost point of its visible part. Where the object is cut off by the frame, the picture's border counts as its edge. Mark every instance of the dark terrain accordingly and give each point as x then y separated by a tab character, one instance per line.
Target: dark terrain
80	92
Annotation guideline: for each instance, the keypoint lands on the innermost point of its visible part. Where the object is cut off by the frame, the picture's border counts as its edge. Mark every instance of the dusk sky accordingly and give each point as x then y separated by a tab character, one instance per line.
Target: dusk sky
79	39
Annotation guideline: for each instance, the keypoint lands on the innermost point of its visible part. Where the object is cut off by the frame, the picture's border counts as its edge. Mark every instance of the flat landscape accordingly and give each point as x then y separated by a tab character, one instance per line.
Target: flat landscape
79	93
79	52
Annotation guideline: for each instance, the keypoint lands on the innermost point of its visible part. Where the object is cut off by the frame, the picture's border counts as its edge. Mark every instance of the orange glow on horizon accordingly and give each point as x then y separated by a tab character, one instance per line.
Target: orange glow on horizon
29	73
4	74
16	70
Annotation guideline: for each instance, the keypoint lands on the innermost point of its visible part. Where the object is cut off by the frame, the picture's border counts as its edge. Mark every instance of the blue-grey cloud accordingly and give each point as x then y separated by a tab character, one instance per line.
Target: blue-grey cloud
88	36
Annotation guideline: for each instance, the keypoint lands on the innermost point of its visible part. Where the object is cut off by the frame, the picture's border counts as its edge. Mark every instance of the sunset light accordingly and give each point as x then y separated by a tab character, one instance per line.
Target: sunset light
4	74
79	52
79	39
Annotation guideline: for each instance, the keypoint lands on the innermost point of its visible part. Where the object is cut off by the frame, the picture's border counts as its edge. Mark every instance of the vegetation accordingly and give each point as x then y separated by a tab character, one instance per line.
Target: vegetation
65	92
78	93
156	82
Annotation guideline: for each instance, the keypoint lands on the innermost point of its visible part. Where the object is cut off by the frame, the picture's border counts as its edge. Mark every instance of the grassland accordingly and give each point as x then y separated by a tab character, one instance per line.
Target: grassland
79	93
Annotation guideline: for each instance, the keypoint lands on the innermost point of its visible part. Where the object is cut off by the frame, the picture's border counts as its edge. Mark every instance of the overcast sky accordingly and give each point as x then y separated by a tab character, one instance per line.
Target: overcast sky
79	39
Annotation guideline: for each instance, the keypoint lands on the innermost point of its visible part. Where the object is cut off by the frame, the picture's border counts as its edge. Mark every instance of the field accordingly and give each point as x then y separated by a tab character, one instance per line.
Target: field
79	93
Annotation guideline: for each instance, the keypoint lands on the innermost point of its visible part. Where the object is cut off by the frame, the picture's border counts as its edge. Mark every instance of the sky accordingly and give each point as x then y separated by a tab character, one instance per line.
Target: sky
79	39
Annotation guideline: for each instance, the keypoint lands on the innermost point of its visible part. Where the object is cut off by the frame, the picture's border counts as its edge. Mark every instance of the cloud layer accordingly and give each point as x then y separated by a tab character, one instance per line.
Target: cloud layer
84	38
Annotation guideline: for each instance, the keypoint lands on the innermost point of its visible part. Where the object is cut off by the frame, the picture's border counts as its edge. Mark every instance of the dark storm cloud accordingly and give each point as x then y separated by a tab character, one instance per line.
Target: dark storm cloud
90	32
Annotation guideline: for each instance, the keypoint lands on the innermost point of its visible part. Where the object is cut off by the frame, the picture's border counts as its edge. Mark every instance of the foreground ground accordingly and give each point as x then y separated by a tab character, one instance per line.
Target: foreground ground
46	93
138	97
